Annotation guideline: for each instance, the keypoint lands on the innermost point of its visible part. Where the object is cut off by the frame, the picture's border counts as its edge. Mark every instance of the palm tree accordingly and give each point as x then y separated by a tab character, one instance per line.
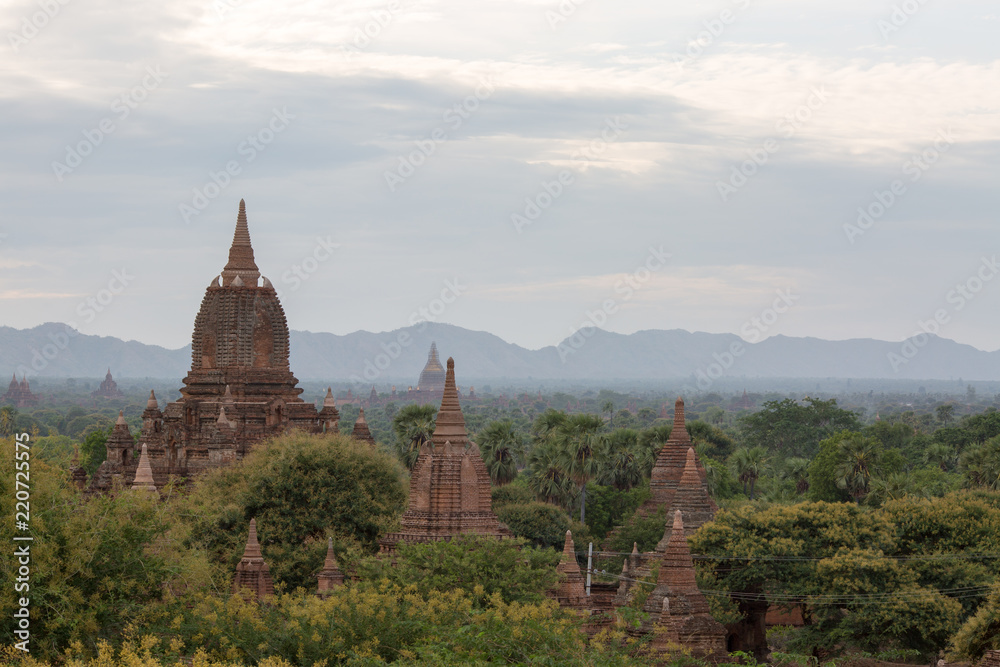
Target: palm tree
749	465
895	486
797	470
945	413
546	424
939	454
858	460
581	446
413	426
502	448
624	466
546	477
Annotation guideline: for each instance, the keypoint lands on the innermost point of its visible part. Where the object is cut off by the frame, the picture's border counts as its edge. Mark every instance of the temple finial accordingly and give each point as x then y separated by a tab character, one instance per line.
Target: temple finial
241	261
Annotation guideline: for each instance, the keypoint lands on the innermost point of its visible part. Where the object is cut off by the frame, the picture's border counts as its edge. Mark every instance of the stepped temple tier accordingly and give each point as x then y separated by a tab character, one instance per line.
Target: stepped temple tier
240	390
449	486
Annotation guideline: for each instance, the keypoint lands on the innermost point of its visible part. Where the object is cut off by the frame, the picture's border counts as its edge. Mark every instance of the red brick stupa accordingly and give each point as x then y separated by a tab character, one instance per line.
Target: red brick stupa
572	593
449	485
679	613
361	431
252	572
330	576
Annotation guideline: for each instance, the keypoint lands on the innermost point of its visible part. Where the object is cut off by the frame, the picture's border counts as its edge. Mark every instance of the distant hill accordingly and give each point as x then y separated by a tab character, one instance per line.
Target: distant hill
398	356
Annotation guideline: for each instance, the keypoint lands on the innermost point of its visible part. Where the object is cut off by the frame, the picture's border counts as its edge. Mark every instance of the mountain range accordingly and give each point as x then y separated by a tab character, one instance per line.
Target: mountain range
698	359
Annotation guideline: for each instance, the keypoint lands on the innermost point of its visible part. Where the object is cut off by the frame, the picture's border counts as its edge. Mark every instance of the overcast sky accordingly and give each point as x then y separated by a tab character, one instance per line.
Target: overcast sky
113	115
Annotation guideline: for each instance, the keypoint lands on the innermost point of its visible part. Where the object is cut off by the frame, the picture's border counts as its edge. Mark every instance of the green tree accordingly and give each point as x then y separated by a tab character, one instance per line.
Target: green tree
93	451
93	566
413	427
301	489
624	464
581	448
794	429
858	458
502	448
945	413
547	477
479	566
748	465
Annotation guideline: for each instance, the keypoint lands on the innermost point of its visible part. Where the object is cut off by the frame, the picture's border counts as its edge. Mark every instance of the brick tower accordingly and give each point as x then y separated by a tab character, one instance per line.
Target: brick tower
449	486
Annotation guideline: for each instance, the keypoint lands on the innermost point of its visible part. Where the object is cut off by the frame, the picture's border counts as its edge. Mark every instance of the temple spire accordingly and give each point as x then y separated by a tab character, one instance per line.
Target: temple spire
241	261
450	423
144	473
253	546
679	432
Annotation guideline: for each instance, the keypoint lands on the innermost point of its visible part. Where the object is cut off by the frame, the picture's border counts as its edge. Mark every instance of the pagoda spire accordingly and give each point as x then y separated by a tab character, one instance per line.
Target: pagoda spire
144	474
330	576
679	433
252	572
241	261
450	423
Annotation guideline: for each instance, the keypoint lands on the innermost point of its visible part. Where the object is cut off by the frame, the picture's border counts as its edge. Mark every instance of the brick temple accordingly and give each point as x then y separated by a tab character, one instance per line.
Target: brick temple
19	394
449	485
240	389
108	388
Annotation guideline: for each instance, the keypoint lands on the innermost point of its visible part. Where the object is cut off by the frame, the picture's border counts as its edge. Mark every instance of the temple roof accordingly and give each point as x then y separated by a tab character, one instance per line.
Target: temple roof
432	378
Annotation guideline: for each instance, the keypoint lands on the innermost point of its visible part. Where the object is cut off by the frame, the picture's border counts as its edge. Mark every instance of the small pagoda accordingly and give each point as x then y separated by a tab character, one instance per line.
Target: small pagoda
449	485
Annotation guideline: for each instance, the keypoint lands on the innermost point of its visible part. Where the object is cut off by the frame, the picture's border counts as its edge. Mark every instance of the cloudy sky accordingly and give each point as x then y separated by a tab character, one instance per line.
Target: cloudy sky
532	157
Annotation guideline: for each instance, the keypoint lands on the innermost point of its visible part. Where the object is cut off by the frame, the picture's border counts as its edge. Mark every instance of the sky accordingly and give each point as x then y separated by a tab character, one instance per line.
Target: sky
524	167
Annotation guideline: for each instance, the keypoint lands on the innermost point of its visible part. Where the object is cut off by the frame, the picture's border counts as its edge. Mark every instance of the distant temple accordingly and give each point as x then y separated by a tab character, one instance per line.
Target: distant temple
240	390
19	394
108	388
449	485
744	403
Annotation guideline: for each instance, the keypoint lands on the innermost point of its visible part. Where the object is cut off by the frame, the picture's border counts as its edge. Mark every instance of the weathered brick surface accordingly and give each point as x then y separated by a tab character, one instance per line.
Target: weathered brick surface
330	576
239	391
361	431
252	572
572	592
449	485
678	612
